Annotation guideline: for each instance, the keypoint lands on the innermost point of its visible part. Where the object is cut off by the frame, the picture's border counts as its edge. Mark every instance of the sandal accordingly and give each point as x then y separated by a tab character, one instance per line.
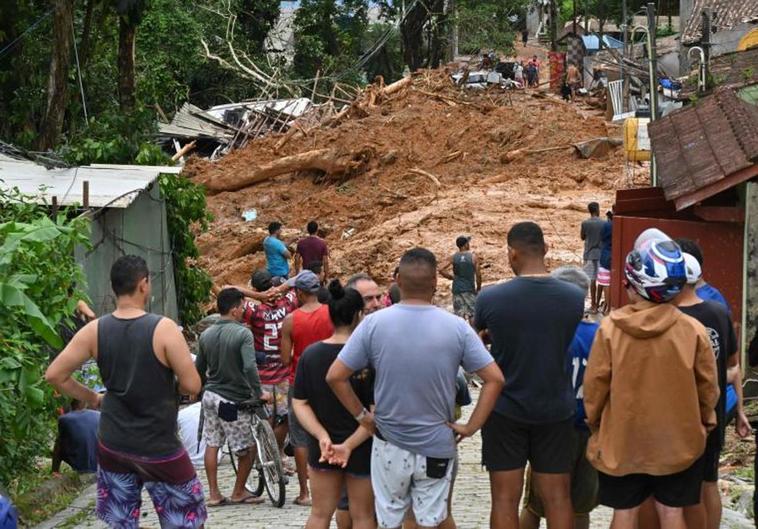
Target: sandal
301	502
248	500
218	503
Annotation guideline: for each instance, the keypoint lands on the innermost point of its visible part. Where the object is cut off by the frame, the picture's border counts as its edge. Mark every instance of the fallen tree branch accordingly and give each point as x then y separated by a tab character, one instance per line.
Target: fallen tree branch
331	162
427	174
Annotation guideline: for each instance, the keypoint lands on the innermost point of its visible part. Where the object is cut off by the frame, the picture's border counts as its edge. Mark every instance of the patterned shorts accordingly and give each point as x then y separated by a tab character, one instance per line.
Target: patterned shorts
217	431
463	304
400	482
278	408
119	499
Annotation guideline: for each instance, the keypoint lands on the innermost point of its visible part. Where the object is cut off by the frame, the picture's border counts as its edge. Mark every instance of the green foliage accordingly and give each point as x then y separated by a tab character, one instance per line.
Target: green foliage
116	138
328	36
485	25
186	213
388	61
39	287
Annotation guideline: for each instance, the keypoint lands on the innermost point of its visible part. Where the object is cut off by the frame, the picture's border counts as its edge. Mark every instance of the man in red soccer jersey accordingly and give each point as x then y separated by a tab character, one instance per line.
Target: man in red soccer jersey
265	320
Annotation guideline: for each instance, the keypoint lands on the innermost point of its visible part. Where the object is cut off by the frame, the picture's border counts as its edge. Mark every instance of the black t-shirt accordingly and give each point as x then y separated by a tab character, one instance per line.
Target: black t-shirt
715	318
531	322
310	385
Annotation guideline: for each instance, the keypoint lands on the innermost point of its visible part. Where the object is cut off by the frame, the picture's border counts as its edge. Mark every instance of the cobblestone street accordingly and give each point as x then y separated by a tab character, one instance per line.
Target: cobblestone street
471	504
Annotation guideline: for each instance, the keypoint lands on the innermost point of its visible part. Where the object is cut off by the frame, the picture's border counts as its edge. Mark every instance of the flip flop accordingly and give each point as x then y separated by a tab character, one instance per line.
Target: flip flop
302	503
248	500
219	503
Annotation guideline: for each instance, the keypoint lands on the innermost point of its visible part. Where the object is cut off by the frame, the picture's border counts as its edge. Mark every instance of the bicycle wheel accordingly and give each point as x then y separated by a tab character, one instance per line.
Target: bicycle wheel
272	470
254	484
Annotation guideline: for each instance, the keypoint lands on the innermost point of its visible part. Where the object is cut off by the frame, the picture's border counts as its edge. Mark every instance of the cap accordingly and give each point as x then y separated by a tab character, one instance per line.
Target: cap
261	280
692	266
462	240
650	234
306	281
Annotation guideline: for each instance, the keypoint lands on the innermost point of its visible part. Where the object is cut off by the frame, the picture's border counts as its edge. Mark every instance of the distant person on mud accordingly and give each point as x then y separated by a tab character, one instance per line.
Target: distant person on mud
143	358
311	249
518	73
604	264
466	277
525	37
591	233
536	67
573	79
277	254
531	75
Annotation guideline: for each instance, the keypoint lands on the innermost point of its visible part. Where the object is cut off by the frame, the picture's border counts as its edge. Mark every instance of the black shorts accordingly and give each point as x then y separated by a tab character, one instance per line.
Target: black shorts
675	490
359	464
508	445
711	457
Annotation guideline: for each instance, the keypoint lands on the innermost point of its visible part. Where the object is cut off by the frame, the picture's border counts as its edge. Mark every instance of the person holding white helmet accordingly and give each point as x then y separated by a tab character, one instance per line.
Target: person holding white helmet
649	425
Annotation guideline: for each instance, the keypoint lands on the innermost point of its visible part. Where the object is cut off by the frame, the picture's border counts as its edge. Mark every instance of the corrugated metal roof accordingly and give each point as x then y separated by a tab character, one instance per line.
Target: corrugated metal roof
592	42
732	70
726	15
115	186
705	146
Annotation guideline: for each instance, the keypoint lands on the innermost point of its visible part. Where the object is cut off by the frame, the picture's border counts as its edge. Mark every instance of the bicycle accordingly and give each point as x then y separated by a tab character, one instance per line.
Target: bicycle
268	461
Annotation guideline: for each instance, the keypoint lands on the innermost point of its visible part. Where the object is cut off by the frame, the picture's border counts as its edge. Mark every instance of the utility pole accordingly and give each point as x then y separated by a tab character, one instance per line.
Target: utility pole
624	51
705	43
452	19
553	26
573	18
652	68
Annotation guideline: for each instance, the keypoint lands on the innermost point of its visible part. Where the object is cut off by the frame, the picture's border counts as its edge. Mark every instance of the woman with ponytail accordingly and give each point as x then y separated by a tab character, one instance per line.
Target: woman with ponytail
339	450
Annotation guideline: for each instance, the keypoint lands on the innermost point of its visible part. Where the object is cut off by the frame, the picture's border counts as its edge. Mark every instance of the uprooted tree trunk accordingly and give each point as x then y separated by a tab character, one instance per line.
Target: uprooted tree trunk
331	162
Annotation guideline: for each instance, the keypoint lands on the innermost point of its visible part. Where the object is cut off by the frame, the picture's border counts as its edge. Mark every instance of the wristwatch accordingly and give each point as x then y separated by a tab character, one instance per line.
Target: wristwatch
361	415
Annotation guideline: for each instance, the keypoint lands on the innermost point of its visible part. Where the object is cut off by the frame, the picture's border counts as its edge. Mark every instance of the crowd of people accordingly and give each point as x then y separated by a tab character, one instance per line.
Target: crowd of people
366	387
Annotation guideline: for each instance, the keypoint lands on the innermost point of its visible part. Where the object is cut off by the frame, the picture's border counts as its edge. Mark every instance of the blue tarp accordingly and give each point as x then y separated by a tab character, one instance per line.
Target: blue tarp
592	42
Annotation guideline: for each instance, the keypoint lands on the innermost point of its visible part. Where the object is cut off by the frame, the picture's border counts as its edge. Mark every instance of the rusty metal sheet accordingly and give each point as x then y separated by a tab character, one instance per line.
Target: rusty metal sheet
722	245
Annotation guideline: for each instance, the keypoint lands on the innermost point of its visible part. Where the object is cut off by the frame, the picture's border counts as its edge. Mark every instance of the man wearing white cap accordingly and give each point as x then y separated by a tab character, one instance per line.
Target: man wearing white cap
718	324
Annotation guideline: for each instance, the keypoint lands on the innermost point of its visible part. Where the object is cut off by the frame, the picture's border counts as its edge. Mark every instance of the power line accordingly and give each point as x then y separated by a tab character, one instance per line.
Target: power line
28	30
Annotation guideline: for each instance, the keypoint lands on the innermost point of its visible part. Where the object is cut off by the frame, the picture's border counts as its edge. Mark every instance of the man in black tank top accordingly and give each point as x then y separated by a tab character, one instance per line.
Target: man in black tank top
142	358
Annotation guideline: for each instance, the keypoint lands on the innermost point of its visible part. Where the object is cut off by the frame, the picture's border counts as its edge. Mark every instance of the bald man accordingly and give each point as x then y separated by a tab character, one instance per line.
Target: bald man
416	349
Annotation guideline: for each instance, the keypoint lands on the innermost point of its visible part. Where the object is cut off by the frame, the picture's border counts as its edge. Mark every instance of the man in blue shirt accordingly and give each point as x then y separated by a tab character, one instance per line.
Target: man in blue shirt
76	443
277	254
584	481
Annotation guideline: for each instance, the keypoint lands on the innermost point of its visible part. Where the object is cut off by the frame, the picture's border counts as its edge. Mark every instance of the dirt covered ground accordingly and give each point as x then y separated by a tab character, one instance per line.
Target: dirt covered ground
436	162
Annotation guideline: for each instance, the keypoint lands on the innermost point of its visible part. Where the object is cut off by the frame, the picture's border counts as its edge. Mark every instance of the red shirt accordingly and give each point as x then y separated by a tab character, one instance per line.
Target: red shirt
312	249
308	328
265	320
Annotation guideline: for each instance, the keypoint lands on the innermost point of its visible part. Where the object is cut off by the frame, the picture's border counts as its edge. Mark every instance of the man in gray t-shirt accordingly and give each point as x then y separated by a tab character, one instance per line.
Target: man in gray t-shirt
415	349
591	233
